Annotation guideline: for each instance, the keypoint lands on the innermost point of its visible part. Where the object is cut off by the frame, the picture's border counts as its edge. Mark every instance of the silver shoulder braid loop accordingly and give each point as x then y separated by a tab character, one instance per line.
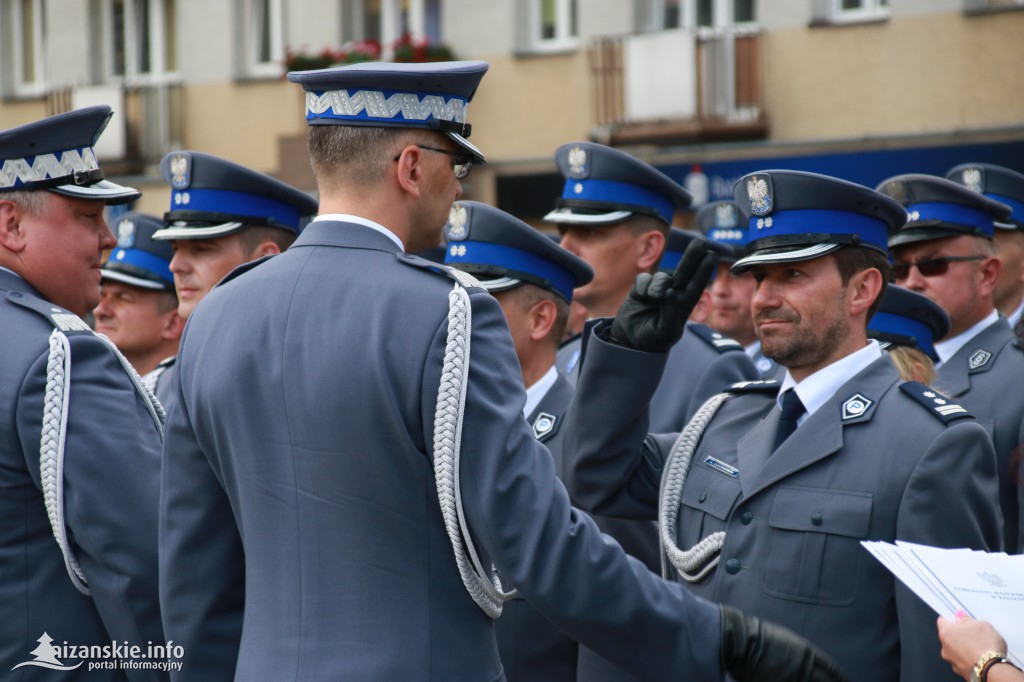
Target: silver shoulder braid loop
56	401
695	563
482	584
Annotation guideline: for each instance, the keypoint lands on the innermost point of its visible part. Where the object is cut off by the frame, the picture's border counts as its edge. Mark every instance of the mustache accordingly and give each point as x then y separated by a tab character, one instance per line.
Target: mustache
775	316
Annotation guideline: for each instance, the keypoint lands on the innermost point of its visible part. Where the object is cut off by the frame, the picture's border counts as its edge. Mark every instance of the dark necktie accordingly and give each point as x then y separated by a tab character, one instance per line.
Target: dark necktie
792	410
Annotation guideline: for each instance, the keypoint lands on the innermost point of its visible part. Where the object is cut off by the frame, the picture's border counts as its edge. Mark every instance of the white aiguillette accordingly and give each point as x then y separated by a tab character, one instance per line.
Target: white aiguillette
987	585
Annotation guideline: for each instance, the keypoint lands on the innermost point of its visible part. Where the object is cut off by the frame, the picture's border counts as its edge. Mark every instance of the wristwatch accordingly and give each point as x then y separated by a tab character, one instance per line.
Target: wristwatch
979	673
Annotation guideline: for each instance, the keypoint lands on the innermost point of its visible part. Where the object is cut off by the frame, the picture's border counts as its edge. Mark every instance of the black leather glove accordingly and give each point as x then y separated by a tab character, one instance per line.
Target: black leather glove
757	651
651	318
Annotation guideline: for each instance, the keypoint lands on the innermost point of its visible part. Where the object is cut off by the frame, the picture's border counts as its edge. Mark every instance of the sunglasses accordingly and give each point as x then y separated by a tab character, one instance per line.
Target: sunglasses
461	163
930	268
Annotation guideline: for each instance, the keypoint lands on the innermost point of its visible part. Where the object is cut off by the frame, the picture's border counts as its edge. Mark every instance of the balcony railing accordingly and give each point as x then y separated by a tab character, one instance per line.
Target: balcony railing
678	86
146	123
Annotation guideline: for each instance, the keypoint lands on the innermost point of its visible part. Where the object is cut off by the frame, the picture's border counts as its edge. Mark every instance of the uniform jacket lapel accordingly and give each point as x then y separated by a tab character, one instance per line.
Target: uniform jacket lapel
820	435
555	402
954	377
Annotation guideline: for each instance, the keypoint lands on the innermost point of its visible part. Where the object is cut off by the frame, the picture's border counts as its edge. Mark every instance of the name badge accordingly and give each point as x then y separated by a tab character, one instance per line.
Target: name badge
721	467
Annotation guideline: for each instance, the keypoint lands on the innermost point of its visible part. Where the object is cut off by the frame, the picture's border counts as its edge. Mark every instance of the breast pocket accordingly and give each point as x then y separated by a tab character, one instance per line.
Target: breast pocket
815	554
708	498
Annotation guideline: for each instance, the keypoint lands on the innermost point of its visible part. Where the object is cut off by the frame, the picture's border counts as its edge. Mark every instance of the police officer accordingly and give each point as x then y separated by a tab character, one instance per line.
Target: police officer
773	485
80	442
532	279
731	292
138	309
221	216
907	325
349	437
1006	187
614	213
946	252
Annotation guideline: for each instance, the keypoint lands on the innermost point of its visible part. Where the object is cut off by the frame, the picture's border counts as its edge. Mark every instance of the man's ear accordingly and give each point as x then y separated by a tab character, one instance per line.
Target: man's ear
174	325
12	232
542	319
865	286
410	170
267	248
652	245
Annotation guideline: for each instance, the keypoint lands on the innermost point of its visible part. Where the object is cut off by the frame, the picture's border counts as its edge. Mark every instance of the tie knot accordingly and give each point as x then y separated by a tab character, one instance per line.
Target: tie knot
792	408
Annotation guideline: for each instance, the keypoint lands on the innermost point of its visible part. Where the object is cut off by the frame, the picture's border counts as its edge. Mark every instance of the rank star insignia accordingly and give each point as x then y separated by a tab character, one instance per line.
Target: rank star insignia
543	424
855	406
929	394
979	359
579	162
458	250
973	179
759	195
125	234
180	171
458	218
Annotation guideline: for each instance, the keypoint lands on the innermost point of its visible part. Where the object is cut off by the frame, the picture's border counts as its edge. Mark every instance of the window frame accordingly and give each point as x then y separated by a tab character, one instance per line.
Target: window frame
831	12
157	44
563	41
19	86
250	39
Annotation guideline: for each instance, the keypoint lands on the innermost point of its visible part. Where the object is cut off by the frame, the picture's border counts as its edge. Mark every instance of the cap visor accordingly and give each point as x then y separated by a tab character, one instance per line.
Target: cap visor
782	256
912	236
205	232
104	190
568	217
478	156
135	281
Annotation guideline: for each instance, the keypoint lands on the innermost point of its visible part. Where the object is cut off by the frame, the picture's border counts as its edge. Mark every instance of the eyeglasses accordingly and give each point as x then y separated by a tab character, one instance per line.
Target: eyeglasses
930	268
461	163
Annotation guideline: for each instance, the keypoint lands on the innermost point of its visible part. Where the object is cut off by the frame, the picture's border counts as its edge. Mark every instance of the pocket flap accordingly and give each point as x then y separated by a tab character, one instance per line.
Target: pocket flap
822	510
711	492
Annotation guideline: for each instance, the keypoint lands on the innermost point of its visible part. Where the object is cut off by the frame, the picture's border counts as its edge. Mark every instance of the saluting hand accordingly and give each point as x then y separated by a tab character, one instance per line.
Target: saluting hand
651	318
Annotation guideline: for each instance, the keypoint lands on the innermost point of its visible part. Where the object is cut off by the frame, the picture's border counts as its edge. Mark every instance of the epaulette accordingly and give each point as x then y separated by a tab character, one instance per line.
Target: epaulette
716	340
943	408
464	278
62	319
758	386
242	269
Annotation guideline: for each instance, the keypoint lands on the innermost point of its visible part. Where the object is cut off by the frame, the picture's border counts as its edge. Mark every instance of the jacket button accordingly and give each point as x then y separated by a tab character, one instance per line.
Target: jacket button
746	517
732	566
816	518
703	496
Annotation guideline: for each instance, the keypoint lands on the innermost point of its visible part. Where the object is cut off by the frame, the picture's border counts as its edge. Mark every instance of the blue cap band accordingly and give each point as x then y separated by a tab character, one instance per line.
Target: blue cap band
953	213
381	106
888	323
613	191
141	259
1018	207
785	223
234	203
515	260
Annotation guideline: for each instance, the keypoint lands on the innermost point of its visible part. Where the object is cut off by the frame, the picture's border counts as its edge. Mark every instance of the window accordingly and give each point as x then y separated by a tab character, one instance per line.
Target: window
141	39
263	39
28	46
842	11
669	14
552	25
385	21
985	6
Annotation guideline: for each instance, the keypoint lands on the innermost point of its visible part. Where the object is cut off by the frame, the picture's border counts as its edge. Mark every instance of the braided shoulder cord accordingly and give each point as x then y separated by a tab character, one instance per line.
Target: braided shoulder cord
483	585
51	449
696	562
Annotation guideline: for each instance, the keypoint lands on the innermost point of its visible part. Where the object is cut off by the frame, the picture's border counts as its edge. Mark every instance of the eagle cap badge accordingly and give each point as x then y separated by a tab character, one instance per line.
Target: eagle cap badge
125	234
579	162
725	216
458	220
759	194
181	171
973	179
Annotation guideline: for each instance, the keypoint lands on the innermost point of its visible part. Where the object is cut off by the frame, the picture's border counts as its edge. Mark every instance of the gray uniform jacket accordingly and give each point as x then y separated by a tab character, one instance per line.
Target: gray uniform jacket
160	381
985	377
302	439
532	649
877	461
111	482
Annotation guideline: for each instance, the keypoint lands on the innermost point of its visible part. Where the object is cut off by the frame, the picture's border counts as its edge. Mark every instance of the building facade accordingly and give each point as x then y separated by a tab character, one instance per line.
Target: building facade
706	90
